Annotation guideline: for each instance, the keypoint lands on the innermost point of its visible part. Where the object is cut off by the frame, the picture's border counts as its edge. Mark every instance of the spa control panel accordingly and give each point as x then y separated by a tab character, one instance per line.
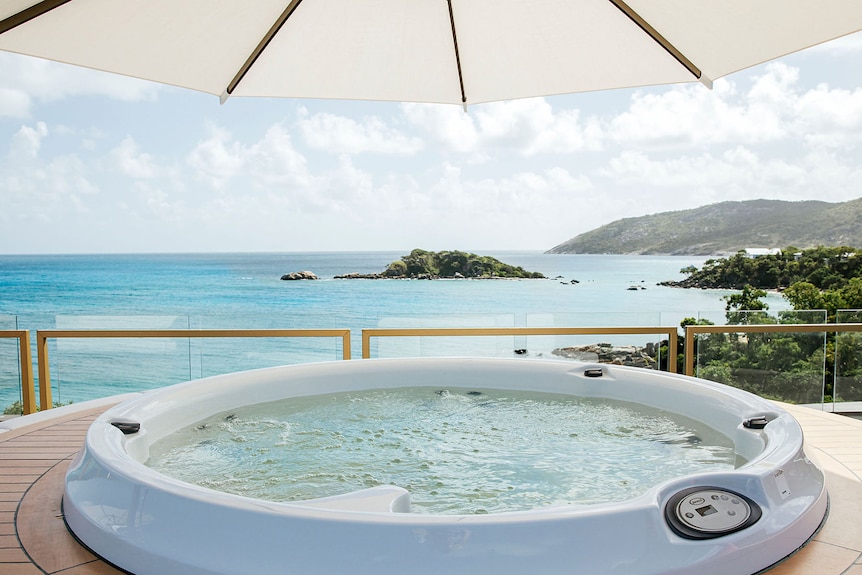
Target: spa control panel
708	512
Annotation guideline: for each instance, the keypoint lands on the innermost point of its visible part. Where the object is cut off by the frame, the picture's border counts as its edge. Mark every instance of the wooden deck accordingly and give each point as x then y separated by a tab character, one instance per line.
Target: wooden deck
34	539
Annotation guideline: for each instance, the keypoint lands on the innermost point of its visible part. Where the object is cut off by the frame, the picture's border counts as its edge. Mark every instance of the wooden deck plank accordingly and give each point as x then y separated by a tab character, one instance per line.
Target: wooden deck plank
66	443
15	555
20	569
21	472
28	463
38	455
12	488
19	477
9	506
12	468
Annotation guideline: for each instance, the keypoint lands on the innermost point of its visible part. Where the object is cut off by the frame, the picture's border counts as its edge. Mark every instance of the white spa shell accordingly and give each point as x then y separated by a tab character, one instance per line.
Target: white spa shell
150	524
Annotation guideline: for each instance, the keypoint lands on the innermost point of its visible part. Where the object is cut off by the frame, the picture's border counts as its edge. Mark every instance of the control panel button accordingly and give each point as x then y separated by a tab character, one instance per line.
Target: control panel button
707	512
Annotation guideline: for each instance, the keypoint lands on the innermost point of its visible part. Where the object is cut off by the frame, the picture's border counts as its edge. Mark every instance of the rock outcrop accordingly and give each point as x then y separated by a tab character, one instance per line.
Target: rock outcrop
304	275
631	355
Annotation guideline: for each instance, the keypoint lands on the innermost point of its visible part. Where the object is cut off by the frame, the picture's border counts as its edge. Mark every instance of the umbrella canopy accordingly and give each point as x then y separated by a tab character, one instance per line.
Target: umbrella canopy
443	51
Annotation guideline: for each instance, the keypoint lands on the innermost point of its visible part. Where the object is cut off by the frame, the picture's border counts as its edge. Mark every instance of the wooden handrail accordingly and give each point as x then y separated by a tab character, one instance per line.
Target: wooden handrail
671	333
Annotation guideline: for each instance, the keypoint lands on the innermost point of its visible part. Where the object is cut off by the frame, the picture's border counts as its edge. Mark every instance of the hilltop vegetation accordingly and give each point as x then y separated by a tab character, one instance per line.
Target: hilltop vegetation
422	264
827	278
792	366
725	228
824	267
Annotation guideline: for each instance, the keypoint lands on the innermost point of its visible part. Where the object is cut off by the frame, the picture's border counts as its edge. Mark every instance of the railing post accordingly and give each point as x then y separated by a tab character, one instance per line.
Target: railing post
672	342
346	353
28	385
688	350
45	401
366	344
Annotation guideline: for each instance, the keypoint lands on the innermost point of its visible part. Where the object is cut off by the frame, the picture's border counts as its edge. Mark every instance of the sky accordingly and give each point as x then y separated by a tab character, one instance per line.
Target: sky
97	163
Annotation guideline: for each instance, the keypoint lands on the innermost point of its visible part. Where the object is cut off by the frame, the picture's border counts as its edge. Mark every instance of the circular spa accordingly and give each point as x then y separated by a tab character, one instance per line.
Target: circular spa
456	466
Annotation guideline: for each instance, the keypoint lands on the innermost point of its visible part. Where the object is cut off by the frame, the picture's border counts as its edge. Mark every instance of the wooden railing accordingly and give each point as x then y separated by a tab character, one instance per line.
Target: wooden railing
691	333
670	332
42	337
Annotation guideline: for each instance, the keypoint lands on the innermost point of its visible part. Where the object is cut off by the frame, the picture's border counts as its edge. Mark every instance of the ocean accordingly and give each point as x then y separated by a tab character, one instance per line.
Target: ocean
244	290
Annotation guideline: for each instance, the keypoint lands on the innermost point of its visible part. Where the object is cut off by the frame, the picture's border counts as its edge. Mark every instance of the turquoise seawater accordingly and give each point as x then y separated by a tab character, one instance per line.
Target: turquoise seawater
245	291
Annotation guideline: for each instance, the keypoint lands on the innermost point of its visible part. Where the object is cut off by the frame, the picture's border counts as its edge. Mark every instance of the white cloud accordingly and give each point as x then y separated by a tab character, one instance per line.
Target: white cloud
271	179
828	177
349	187
275	164
132	162
342	135
271	164
217	159
686	116
526	208
523	197
773	112
738	173
527	127
28	140
830	117
14	103
448	126
48	192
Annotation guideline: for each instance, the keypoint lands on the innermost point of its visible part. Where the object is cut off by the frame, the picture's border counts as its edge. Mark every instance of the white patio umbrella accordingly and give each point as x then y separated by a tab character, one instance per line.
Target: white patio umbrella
445	51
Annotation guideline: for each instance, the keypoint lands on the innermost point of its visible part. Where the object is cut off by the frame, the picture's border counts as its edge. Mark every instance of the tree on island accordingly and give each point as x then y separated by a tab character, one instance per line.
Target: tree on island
826	268
452	264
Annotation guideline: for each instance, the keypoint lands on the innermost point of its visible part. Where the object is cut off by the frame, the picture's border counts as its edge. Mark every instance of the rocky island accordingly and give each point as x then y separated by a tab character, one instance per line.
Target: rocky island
304	275
421	264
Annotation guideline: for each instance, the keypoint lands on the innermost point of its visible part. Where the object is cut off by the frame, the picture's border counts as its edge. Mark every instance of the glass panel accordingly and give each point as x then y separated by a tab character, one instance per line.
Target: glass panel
89	368
445	346
783	366
637	350
848	362
10	370
214	356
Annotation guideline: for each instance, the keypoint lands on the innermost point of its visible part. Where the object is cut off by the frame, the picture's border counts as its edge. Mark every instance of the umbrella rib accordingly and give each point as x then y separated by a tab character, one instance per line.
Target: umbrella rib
661	40
28	14
264	42
457	55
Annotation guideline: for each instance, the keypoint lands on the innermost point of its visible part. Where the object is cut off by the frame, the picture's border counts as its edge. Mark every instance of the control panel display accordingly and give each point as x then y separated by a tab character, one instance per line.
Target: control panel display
708	512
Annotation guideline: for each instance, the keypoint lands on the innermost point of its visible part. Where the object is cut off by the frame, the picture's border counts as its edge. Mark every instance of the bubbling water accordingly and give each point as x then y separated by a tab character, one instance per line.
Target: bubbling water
456	451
